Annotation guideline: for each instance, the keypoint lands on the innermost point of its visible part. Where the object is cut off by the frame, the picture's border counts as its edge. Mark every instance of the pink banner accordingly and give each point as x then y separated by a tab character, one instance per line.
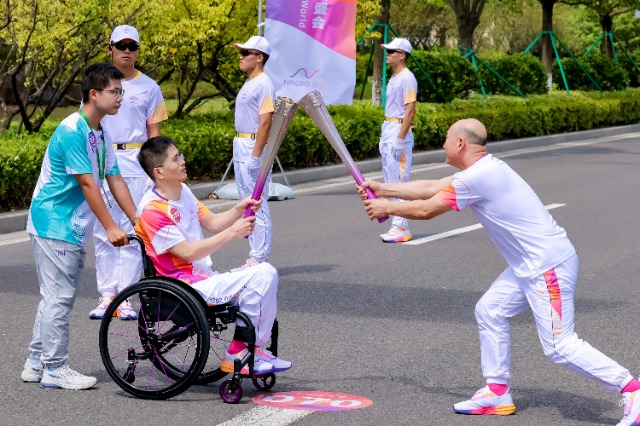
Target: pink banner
313	47
330	22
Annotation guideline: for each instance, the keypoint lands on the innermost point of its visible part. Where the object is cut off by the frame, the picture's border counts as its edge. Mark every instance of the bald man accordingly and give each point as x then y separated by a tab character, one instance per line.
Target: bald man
541	274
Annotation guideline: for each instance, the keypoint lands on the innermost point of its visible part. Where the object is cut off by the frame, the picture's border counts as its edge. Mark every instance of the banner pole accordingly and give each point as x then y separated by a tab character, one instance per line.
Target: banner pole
260	22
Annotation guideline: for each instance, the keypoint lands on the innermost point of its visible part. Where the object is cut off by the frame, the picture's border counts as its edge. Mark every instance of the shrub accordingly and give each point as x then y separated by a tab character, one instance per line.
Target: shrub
605	72
206	140
452	75
521	70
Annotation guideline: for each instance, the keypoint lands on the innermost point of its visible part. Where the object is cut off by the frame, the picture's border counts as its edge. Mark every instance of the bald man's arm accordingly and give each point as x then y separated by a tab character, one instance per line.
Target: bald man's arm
414	190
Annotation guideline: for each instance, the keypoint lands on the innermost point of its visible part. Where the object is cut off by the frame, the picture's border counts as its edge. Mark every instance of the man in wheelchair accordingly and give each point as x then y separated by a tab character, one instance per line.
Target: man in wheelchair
170	222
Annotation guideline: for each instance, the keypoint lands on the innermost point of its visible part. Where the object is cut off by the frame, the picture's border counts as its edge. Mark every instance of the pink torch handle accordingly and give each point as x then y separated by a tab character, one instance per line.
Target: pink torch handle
357	176
257	191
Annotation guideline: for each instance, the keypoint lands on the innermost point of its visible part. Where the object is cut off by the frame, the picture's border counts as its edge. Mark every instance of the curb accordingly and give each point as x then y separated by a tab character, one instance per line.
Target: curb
17	221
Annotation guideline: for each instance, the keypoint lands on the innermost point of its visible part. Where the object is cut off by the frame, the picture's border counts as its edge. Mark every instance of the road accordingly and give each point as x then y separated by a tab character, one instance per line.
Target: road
392	323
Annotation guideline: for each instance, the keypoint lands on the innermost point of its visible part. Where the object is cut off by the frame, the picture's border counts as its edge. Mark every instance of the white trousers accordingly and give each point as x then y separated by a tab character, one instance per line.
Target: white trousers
260	238
58	265
254	290
118	267
551	298
394	171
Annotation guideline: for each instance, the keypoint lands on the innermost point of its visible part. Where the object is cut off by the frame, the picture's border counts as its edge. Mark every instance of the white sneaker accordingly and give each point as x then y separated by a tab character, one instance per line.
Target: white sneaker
631	404
260	366
487	402
66	378
278	364
98	312
396	235
126	312
248	264
32	373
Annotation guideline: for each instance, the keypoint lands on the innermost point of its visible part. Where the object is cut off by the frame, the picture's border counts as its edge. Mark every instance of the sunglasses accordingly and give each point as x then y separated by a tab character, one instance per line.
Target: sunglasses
121	45
391	51
245	53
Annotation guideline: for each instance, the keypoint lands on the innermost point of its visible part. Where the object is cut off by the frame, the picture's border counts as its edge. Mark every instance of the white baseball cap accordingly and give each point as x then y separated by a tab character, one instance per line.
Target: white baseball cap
256	43
398	44
122	32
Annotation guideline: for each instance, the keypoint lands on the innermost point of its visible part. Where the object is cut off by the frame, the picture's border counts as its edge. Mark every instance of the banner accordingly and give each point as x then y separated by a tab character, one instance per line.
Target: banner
312	48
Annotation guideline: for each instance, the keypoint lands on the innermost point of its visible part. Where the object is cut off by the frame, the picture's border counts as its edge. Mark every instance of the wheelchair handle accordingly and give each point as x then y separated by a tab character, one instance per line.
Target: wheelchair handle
147	265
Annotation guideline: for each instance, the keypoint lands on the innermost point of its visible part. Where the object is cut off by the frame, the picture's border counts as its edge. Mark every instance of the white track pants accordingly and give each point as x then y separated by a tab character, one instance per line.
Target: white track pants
118	267
260	239
395	171
551	298
254	290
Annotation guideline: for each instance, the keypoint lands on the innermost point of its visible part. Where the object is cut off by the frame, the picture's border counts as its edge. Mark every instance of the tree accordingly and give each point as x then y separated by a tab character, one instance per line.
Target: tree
378	55
194	42
45	47
467	18
607	10
423	23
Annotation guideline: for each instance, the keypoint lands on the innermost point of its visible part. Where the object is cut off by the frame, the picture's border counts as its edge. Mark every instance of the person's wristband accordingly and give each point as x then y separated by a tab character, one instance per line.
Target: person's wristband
133	221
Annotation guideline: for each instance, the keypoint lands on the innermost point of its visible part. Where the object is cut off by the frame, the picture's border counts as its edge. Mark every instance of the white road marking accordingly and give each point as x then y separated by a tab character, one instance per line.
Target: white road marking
460	230
14	241
263	415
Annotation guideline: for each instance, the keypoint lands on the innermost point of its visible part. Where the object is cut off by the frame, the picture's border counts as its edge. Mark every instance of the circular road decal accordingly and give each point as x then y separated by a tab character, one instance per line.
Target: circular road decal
312	401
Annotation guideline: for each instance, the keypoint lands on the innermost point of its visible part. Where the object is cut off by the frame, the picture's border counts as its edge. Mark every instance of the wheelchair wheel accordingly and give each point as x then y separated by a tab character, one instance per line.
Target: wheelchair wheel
158	355
264	382
230	391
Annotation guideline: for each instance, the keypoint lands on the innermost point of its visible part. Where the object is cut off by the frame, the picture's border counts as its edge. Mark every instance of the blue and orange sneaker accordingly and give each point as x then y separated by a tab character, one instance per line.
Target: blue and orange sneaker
631	404
396	235
487	402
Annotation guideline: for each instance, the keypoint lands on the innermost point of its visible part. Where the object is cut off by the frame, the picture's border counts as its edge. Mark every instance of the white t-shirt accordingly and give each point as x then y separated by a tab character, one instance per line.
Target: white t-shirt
401	90
517	222
254	99
143	103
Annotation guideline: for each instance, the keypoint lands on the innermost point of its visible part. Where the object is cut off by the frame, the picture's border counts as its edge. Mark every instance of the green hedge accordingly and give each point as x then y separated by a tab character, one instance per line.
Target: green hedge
521	70
206	140
608	74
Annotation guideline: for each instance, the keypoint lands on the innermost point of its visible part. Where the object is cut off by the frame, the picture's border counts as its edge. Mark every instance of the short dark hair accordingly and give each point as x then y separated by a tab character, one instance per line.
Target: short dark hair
153	153
265	58
98	76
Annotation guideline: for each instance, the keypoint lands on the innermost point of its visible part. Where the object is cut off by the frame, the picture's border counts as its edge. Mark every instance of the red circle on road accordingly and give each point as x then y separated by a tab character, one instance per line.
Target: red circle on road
312	401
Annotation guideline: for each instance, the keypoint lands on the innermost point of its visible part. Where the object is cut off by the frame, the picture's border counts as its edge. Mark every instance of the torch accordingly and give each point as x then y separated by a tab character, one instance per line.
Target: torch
314	105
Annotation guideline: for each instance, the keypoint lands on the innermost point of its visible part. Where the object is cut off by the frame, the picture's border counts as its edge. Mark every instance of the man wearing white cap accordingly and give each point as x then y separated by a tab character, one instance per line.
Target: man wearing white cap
253	114
396	141
138	119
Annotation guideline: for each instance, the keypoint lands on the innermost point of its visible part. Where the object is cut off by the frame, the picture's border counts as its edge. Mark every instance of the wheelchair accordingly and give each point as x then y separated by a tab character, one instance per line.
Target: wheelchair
176	341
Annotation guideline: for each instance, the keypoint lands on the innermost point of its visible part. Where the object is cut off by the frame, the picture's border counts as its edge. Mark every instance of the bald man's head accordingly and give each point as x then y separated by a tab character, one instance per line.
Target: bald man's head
472	130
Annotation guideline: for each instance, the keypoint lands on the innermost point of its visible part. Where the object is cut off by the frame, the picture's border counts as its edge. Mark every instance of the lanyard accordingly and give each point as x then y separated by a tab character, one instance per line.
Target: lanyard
93	141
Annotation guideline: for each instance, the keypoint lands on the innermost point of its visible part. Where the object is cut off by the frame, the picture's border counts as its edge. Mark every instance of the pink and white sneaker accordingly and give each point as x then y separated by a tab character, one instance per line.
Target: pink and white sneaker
487	402
396	235
631	404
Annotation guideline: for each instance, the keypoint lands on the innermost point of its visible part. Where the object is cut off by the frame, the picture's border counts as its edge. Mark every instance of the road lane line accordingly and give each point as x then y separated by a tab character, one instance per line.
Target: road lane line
14	241
264	415
460	230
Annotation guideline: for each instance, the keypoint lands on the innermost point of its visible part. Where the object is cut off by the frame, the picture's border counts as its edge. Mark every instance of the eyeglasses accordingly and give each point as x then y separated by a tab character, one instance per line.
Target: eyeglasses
245	53
117	93
177	159
121	45
391	51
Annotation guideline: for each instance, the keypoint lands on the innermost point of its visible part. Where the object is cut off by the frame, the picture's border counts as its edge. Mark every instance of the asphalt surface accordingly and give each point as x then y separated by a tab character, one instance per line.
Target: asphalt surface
388	322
